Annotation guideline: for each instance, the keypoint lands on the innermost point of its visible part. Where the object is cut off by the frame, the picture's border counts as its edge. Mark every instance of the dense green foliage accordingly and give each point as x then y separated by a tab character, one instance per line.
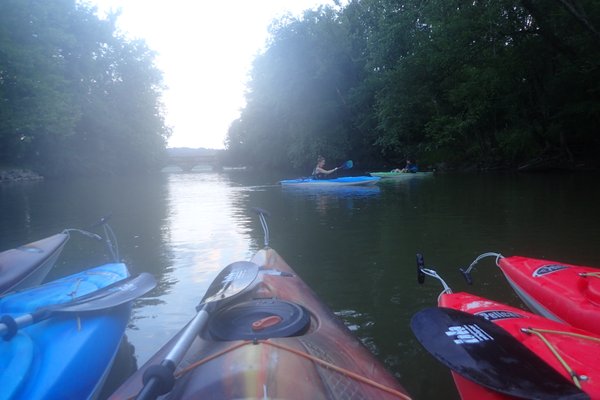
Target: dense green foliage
497	83
76	98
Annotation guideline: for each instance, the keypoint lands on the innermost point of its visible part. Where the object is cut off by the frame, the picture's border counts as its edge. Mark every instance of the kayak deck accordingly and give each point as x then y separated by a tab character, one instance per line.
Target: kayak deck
276	340
562	292
28	265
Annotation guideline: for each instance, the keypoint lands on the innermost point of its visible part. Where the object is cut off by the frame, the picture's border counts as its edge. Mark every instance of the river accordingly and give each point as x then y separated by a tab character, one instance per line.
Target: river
355	247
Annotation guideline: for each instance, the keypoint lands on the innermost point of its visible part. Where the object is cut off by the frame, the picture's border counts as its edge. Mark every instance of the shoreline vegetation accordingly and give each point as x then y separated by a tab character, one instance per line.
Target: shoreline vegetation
458	87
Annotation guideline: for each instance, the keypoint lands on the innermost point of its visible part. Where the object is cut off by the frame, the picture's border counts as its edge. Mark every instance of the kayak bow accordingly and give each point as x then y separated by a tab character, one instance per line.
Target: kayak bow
274	340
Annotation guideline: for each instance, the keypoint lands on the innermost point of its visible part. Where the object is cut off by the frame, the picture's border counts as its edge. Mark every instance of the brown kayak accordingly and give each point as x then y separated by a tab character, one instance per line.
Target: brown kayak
276	340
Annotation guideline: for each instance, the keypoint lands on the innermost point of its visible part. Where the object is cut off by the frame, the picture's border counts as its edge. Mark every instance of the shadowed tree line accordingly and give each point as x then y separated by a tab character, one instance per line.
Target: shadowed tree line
492	84
76	97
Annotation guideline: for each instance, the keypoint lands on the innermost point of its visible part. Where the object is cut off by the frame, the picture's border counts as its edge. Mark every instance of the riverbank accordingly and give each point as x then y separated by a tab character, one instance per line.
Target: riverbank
18	174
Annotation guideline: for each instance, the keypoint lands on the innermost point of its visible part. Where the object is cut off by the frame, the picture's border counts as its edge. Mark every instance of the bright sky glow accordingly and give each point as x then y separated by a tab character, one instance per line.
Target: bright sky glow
205	50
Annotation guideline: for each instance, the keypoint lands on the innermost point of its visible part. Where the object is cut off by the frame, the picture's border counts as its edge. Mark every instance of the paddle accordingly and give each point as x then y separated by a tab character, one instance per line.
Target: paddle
488	355
113	295
232	280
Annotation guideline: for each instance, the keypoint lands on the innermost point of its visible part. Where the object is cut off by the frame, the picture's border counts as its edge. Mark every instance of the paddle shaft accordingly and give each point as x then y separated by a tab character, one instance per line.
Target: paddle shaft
173	358
232	280
21	321
118	293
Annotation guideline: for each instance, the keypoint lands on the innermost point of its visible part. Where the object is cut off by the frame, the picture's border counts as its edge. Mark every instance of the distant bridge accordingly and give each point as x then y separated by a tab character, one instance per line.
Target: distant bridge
188	161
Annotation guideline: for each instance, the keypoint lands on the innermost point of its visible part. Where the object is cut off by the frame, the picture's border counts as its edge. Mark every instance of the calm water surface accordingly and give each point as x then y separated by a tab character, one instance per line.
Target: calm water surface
355	247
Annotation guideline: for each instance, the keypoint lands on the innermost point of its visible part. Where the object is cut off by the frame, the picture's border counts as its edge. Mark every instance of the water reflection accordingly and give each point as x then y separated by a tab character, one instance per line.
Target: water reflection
123	366
355	247
202	232
332	191
328	198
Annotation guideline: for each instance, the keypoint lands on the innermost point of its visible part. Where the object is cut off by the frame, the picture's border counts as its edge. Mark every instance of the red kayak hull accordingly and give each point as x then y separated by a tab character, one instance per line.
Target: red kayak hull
562	292
580	352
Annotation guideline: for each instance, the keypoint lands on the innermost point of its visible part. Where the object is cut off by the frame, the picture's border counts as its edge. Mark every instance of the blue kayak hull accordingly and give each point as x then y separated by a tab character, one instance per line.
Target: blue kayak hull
66	356
344	181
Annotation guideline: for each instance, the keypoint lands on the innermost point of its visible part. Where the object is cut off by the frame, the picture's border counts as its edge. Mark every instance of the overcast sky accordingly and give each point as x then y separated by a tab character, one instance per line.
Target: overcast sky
205	50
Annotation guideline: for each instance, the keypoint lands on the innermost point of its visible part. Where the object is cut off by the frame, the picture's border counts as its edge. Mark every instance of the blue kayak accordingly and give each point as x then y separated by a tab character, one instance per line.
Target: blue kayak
68	355
344	181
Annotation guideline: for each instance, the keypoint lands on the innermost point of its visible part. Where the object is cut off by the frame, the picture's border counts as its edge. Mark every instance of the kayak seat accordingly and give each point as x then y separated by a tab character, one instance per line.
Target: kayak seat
259	319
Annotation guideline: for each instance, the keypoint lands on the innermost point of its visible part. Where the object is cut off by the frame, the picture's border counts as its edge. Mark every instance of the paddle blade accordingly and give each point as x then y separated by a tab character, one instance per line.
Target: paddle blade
486	354
347	165
233	279
118	293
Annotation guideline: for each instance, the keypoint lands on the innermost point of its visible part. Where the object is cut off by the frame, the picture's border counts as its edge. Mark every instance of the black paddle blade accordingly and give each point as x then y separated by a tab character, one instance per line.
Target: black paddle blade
118	293
488	355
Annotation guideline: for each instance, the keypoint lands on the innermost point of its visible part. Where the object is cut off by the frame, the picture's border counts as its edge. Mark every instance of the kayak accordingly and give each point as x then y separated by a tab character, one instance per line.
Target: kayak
272	339
66	356
28	265
577	348
343	181
562	292
530	356
401	175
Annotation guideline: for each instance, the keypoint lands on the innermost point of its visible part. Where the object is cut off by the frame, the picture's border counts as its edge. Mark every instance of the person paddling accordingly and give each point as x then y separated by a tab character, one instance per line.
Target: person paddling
410	167
319	172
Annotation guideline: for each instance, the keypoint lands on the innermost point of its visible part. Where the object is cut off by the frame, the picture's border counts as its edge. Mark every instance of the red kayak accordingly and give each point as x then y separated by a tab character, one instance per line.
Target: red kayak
496	351
562	292
574	347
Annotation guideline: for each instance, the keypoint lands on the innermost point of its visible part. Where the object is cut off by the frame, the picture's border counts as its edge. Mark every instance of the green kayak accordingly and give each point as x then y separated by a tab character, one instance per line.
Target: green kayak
401	175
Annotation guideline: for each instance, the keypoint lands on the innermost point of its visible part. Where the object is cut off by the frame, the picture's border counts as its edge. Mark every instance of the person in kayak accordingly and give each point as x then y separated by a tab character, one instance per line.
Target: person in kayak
410	168
319	172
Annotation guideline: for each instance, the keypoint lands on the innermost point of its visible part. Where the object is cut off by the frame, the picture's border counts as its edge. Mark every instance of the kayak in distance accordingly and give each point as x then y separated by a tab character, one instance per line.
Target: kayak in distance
262	333
343	181
563	292
401	175
499	352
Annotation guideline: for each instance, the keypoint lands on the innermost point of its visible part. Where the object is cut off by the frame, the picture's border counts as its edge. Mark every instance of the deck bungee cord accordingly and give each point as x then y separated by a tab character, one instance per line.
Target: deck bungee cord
539	333
181	372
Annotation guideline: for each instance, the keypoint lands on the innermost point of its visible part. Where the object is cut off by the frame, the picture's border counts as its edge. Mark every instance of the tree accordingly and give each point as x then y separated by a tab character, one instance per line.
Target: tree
77	98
